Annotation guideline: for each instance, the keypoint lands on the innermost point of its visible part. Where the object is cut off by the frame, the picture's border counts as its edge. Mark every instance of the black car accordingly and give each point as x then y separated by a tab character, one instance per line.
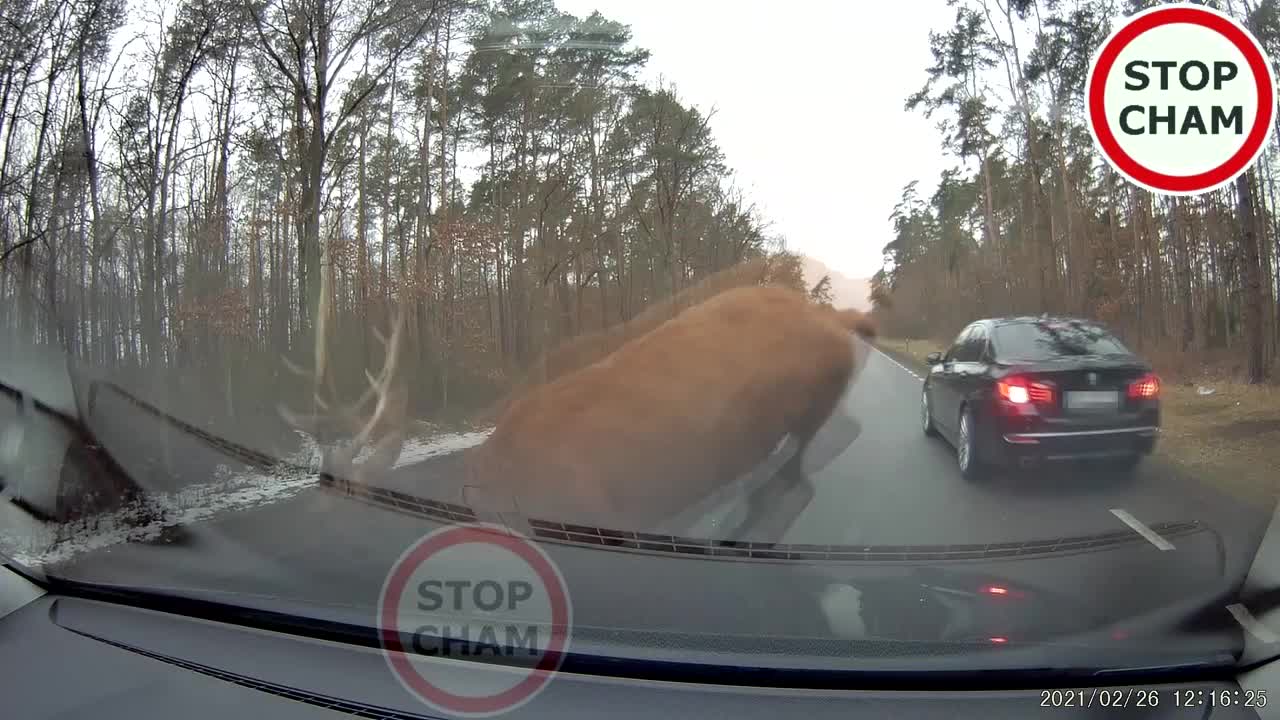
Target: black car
1016	392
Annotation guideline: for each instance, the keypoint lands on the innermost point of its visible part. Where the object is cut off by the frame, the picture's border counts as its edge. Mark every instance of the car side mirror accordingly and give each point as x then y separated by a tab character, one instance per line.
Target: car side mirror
933	358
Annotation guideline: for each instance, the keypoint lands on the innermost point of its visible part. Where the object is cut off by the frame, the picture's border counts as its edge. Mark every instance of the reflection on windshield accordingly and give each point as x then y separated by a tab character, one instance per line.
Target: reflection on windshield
1048	340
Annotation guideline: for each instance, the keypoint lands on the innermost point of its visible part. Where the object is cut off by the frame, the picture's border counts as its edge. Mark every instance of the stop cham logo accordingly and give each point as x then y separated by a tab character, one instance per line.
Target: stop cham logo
1180	99
467	593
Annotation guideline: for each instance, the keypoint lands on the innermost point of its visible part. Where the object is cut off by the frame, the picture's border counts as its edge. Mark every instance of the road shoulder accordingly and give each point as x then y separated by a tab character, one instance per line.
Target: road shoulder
903	357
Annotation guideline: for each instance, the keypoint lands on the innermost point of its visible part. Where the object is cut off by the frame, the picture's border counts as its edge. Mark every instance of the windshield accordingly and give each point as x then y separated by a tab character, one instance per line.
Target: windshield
290	290
1050	340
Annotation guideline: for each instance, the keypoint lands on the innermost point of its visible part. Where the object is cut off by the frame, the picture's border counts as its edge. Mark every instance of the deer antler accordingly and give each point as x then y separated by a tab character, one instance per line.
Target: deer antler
383	428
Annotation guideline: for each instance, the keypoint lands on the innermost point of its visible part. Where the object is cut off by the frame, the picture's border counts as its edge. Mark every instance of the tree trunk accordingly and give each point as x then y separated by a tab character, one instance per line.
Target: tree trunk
1251	279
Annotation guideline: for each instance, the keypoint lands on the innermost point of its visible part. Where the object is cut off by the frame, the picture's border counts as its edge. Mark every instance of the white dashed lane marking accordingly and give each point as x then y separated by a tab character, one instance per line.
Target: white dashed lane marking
1146	532
905	369
1251	624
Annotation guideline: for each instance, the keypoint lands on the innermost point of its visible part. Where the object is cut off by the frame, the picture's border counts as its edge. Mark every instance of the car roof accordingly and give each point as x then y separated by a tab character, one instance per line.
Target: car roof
1027	319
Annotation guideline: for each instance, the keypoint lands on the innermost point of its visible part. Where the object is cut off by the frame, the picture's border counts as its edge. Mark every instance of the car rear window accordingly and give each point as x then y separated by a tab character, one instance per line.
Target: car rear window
1052	339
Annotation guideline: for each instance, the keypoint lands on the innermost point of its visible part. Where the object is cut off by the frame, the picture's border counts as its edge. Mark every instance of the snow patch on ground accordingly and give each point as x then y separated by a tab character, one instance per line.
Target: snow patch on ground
34	544
415	451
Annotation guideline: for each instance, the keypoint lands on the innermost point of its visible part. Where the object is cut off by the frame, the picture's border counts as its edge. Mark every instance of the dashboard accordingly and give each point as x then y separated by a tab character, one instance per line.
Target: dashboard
71	657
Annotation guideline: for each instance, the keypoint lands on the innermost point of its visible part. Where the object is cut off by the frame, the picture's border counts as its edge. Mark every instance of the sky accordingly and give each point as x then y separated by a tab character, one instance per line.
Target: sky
828	181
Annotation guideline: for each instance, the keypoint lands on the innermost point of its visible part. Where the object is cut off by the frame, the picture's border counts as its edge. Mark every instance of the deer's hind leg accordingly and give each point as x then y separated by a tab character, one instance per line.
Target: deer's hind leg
774	506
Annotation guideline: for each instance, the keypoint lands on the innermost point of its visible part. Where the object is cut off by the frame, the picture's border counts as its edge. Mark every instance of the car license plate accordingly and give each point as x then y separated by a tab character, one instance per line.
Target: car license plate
1091	400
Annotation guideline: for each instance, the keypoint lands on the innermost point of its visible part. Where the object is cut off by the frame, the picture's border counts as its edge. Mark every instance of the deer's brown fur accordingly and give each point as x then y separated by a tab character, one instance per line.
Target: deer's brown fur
674	413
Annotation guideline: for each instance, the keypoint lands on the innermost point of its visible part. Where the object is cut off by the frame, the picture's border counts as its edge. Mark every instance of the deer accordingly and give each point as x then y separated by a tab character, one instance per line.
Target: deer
677	412
632	425
377	420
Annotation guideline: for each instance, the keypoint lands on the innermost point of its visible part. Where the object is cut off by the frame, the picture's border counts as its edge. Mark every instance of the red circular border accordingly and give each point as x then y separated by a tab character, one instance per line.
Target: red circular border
1263	81
552	657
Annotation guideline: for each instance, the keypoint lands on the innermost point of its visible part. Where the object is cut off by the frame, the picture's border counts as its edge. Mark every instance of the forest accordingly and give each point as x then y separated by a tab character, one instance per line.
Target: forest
188	189
1030	219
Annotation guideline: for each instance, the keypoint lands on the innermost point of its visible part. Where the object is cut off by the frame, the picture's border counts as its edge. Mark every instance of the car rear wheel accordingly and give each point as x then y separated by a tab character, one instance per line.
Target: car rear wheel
967	446
926	415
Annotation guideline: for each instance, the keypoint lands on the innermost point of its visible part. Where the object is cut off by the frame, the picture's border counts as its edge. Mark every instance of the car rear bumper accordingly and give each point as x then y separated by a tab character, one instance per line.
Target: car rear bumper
1024	448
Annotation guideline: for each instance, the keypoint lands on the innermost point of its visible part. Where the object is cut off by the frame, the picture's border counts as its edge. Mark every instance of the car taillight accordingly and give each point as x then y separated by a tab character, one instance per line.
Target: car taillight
1145	387
1019	391
1002	591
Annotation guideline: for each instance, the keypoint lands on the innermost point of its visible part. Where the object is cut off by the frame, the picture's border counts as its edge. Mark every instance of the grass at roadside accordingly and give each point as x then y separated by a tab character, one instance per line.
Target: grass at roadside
910	352
1230	437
